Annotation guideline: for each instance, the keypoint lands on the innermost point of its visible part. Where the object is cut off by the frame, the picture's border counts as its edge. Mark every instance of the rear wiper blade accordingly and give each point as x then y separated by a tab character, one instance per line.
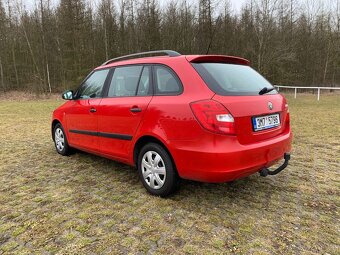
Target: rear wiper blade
265	90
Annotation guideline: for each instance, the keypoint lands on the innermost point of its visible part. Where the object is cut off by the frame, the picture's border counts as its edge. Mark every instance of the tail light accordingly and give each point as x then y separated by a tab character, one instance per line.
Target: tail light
287	116
214	117
288	119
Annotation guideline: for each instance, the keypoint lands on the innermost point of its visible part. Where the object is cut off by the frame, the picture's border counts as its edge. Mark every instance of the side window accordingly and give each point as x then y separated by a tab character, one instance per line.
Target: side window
166	81
144	82
93	86
124	81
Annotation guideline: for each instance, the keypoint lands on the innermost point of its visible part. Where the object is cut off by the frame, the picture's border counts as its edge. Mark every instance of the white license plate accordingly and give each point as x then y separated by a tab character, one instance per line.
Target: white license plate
266	122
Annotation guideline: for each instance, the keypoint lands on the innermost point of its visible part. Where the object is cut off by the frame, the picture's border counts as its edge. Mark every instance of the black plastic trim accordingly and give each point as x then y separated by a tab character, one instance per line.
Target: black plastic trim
152	89
83	132
110	76
154	83
115	136
102	134
169	53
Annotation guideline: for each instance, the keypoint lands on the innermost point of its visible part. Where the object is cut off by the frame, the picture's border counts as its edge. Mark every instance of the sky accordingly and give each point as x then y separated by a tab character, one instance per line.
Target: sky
236	4
311	6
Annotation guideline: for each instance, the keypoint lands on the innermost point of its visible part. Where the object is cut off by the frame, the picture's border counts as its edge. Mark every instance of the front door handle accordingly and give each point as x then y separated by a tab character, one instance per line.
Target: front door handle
135	109
93	110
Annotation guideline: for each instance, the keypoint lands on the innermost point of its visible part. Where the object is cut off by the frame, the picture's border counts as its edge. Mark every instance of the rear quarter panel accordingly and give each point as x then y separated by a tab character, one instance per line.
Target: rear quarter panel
170	117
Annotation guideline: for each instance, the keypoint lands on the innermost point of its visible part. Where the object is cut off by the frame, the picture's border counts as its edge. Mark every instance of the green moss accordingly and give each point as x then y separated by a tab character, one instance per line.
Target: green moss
70	236
82	228
9	246
19	231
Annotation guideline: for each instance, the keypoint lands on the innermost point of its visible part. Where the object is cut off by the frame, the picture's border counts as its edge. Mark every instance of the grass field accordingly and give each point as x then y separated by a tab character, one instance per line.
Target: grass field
85	204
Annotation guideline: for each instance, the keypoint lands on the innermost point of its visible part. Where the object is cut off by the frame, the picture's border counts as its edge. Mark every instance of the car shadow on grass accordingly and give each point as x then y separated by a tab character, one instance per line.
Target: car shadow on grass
126	175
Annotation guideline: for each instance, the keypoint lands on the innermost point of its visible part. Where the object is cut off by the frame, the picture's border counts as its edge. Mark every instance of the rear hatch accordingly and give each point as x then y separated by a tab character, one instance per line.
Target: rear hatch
245	110
257	115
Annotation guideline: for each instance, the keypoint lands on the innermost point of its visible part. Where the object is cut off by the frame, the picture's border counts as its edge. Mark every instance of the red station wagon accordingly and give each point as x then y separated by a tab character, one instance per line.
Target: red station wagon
208	118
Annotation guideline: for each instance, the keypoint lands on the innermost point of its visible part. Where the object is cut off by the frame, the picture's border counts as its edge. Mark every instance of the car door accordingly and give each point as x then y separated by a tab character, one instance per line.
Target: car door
120	112
81	117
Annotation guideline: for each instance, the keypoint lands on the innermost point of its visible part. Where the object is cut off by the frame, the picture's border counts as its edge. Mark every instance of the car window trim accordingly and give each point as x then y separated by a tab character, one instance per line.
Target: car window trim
110	76
113	69
140	76
86	78
152	88
107	85
175	76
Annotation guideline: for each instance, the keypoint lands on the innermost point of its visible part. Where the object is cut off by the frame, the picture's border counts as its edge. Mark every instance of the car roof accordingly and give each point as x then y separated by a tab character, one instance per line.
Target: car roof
173	59
143	60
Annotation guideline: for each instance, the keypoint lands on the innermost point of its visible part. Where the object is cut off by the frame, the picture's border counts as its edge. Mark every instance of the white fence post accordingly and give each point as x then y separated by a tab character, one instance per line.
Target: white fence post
295	92
318	94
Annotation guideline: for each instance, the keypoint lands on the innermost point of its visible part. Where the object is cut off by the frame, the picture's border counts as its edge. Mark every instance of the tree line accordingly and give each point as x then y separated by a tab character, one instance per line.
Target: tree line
51	47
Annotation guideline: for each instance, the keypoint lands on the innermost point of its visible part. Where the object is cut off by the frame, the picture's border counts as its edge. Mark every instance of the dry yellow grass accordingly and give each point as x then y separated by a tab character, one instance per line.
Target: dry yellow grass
84	204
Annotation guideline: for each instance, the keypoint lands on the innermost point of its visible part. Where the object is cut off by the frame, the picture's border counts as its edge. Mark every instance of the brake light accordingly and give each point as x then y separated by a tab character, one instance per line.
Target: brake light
214	117
287	116
288	119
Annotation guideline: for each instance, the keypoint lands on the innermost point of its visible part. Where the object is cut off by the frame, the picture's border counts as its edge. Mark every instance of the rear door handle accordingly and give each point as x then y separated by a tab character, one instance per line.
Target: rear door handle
93	110
135	109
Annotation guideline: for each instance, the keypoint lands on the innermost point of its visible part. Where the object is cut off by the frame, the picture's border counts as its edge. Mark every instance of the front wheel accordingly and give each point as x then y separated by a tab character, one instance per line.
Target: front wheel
60	140
156	170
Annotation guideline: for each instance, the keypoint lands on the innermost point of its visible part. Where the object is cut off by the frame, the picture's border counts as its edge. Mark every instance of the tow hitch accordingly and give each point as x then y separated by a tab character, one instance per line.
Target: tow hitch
265	171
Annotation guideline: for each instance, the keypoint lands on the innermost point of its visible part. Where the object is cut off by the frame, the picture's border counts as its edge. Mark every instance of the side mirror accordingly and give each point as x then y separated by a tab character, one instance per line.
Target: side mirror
67	95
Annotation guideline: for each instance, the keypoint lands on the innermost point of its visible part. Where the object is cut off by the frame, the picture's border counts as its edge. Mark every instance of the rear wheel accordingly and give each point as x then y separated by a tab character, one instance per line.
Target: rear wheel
156	170
60	140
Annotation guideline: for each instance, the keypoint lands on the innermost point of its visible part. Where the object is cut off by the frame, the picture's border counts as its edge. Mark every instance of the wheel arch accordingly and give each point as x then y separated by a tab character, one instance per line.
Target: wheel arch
54	123
143	140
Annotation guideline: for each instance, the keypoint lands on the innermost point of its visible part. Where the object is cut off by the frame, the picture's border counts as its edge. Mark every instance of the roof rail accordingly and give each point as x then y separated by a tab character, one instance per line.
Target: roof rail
169	53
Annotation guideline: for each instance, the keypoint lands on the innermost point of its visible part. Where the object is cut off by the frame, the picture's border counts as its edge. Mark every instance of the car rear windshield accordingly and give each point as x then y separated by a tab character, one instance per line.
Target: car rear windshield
230	79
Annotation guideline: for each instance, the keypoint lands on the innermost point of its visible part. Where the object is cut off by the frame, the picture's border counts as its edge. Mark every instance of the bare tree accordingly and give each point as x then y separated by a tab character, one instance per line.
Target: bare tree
52	47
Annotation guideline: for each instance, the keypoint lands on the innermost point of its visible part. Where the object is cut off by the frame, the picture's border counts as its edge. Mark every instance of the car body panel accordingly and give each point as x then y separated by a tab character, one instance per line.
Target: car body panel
220	158
244	108
217	58
115	118
79	121
197	153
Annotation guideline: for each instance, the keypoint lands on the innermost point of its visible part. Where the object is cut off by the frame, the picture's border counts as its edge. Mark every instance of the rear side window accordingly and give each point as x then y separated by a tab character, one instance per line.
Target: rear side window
166	82
229	79
93	85
125	81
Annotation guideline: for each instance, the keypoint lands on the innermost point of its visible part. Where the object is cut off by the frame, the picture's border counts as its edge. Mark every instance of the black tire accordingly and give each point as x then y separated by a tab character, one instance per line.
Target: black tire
65	149
170	179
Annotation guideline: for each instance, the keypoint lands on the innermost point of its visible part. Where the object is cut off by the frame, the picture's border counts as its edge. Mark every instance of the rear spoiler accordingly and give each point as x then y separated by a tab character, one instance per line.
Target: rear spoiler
217	59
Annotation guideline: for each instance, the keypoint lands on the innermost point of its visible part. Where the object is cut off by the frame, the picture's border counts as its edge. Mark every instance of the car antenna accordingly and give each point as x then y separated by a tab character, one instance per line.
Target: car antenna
213	34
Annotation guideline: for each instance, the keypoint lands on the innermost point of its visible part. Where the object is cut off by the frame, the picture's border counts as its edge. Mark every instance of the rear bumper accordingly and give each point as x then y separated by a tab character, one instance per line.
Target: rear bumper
218	158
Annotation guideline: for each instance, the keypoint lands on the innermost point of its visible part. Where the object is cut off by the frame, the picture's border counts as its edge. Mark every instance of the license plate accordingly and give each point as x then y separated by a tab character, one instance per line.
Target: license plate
266	122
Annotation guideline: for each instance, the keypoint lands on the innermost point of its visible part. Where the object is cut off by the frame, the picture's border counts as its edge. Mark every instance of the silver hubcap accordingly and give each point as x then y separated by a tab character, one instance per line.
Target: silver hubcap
153	169
59	139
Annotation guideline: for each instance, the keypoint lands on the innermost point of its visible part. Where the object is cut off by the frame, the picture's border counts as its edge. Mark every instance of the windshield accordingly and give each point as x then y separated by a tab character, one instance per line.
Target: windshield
229	79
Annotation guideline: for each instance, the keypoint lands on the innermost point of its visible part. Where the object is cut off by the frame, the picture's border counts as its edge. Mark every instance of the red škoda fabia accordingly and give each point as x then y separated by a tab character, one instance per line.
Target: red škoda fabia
200	117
